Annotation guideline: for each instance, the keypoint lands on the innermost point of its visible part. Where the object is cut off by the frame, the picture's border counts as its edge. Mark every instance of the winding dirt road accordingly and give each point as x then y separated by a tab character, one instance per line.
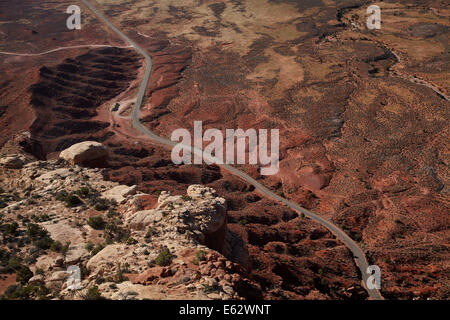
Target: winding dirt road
358	253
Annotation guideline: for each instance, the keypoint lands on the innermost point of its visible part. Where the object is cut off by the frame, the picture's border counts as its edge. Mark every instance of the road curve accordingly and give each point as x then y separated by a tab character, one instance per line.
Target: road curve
340	234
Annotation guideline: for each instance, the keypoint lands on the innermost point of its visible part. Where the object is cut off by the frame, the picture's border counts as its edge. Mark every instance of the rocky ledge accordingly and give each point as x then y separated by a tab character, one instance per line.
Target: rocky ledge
56	217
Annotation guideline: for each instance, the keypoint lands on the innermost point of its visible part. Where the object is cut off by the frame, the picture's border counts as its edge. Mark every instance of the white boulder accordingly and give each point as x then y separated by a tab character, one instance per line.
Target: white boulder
85	152
120	193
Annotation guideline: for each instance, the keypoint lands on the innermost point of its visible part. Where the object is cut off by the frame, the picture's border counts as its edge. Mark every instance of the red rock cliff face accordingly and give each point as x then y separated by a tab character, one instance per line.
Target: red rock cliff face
217	239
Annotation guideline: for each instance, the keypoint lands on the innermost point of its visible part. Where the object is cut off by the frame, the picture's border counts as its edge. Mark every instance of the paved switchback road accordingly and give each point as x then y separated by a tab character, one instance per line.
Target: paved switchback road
358	253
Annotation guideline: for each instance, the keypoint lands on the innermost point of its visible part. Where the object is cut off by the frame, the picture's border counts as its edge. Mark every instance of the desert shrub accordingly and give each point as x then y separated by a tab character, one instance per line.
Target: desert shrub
10	229
97	249
61	195
20	242
96	222
164	258
8	294
31	202
4	257
111	227
116	233
200	255
65	248
89	246
209	289
39	236
42	292
131	241
122	235
243	222
24	274
20	292
119	277
93	294
23	219
99	280
357	236
9	263
59	247
112	213
83	192
39	271
35	231
56	246
32	258
108	240
84	272
150	233
101	205
72	201
44	243
14	263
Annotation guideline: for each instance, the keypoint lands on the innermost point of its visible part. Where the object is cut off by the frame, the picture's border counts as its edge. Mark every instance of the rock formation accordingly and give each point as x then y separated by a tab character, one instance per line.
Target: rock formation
87	153
70	217
12	161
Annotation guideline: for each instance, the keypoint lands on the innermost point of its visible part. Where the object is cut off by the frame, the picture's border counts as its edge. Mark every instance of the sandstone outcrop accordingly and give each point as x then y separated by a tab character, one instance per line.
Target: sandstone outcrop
120	193
200	212
87	153
75	254
12	162
131	253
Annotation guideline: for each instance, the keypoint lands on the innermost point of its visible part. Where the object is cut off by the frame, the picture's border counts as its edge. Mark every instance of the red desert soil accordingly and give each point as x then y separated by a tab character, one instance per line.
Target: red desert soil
6	280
